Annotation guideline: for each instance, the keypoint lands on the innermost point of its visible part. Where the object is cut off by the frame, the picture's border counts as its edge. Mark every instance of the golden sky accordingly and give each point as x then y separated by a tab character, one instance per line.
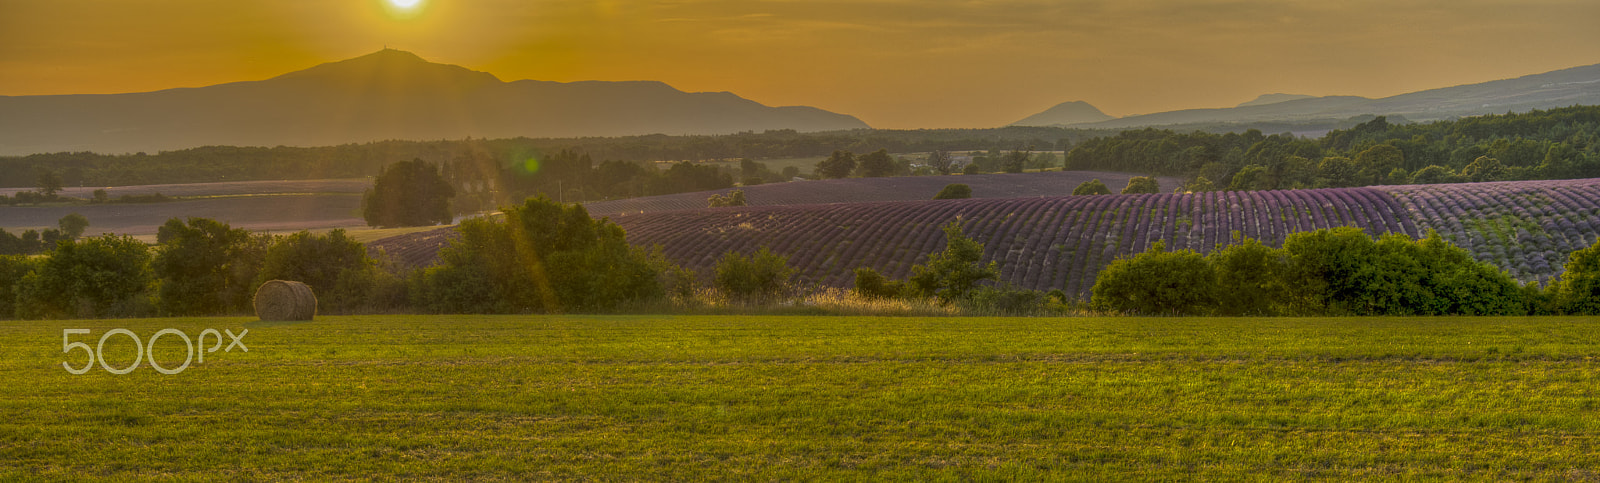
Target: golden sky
892	63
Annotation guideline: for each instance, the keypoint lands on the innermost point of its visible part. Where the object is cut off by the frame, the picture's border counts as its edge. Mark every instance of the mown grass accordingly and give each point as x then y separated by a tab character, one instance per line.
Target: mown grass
705	397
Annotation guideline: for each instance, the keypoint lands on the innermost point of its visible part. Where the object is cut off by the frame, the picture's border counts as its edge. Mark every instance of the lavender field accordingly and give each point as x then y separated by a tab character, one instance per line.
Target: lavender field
1062	242
901	188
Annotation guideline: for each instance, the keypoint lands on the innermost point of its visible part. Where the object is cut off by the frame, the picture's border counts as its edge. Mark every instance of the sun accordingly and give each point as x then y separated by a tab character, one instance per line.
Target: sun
405	4
404	9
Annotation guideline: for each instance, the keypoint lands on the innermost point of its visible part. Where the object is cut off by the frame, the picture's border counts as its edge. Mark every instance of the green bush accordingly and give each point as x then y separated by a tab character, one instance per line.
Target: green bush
543	257
1006	300
1577	292
98	277
759	278
870	284
1141	184
951	274
12	269
1091	187
1156	282
1249	277
954	191
338	269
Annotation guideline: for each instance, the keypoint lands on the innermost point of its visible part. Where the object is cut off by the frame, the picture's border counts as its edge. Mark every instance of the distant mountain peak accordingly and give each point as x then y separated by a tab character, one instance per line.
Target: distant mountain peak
390	63
1275	98
1066	113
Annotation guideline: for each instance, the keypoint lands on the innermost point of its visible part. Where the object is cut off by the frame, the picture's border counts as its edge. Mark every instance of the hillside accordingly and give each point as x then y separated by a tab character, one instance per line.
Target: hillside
1523	227
1561	88
855	190
1065	114
390	94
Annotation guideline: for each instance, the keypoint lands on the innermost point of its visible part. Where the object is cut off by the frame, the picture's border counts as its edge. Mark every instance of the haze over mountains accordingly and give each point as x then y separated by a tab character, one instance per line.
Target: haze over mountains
1561	88
390	94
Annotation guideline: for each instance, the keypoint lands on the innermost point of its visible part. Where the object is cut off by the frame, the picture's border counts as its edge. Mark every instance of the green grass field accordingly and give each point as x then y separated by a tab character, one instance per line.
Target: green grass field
680	398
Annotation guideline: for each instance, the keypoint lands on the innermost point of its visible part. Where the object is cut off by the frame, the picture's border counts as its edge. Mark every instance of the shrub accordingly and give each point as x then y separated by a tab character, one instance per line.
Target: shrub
733	198
954	191
1577	292
951	274
103	276
12	269
871	285
1006	301
758	278
337	268
971	169
1141	184
1156	282
1091	187
1249	277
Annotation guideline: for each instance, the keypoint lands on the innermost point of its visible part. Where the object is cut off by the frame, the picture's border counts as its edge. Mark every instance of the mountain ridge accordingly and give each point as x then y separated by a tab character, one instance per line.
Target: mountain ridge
1558	88
389	94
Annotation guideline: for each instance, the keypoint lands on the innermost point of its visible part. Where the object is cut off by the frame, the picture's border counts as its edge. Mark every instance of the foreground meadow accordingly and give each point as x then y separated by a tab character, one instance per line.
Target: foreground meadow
662	397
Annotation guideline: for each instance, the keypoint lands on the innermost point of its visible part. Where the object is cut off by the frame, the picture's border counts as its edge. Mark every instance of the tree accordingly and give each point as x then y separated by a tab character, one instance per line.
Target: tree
1141	184
951	274
1250	178
1091	187
876	164
1375	162
1337	172
72	226
408	193
969	169
941	161
954	191
1156	282
1577	292
1016	160
759	278
49	183
1484	169
541	257
206	267
838	165
103	276
1434	174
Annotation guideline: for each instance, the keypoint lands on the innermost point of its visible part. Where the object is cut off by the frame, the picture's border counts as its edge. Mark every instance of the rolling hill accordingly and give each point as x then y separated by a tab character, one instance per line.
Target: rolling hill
389	94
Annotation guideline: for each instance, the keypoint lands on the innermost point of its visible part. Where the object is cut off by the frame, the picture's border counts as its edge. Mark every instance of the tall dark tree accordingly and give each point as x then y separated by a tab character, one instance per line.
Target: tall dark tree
408	193
941	161
876	164
838	165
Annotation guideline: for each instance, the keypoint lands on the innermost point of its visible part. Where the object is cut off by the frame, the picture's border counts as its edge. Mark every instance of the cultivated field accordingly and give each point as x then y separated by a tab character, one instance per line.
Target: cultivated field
693	398
288	205
1062	242
900	188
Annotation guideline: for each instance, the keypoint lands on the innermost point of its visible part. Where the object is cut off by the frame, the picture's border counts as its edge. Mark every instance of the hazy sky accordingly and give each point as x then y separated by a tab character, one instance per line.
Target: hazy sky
893	63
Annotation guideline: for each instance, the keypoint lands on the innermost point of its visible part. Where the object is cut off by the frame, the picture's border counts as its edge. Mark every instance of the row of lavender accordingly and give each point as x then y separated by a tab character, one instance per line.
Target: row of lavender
1524	227
857	190
1041	243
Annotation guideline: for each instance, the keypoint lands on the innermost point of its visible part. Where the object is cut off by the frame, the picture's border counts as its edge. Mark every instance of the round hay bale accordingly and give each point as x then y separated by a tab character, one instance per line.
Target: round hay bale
284	300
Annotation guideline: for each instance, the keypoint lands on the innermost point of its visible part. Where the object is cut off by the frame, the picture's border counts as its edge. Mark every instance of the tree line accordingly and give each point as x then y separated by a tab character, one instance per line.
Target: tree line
1337	272
1555	144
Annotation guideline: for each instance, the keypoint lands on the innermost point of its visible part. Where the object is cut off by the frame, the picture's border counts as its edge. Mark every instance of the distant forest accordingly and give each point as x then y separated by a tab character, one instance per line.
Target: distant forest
1554	144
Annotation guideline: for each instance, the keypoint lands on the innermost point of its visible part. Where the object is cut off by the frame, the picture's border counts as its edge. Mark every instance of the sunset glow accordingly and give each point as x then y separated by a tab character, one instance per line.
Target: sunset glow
894	64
